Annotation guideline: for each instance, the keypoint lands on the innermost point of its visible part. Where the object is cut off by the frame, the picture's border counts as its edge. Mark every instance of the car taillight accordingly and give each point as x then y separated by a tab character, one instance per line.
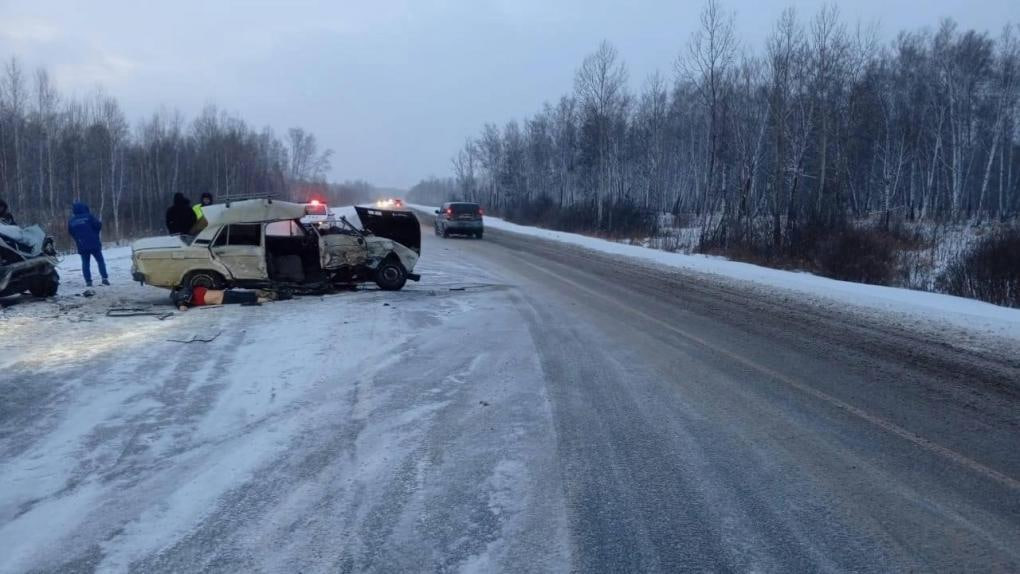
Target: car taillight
449	213
481	211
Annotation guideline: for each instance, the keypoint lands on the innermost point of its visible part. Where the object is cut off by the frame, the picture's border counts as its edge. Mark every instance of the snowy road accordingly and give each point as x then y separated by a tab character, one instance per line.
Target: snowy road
528	406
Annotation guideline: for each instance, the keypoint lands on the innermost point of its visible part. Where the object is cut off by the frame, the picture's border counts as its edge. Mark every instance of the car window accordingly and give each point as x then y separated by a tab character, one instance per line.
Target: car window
245	234
464	207
240	234
221	238
284	229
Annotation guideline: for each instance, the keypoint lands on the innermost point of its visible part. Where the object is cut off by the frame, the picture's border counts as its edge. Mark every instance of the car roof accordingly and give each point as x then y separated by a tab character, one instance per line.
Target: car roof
252	211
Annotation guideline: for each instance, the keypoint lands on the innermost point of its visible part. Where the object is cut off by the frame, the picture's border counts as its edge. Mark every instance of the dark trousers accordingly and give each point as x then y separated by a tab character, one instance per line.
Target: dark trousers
240	297
86	267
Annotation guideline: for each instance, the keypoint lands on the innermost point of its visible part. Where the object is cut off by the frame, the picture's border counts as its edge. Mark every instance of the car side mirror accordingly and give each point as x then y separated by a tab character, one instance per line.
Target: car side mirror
437	212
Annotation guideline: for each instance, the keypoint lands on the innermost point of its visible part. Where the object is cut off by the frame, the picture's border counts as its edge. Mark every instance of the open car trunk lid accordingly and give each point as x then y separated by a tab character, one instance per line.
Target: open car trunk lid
400	226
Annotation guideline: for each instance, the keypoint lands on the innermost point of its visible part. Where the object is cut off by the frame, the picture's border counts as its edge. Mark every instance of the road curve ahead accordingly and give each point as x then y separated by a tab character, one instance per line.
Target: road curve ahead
700	426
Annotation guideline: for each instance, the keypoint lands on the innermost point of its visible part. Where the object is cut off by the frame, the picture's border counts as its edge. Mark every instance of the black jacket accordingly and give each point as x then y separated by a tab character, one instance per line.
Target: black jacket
180	218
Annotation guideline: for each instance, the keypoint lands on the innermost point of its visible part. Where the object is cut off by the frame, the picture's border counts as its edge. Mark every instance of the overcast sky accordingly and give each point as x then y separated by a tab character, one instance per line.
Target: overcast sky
393	87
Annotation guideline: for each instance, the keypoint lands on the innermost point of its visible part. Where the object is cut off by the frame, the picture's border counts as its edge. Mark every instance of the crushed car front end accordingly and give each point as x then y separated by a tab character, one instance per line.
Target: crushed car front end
28	262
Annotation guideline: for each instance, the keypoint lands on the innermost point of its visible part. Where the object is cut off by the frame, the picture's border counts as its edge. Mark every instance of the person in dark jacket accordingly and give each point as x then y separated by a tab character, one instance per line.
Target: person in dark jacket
5	214
84	228
180	218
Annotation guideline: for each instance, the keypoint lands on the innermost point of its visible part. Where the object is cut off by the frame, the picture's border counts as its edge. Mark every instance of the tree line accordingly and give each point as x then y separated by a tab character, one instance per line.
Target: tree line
823	125
55	150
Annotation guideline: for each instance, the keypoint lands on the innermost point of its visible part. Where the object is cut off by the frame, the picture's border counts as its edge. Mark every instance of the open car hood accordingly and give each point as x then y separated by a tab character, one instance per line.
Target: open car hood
400	226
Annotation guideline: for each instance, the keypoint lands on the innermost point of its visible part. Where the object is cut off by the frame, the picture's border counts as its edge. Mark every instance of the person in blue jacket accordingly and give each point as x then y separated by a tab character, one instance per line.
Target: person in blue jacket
84	228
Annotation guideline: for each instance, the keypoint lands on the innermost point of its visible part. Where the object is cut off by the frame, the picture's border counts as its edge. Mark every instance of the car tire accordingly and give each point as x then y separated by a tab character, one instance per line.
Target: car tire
207	279
446	233
45	286
436	229
390	276
479	234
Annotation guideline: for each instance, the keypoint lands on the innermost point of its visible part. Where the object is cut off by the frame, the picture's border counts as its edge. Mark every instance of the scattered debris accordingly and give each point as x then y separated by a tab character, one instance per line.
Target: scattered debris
483	403
137	312
458	288
88	293
197	339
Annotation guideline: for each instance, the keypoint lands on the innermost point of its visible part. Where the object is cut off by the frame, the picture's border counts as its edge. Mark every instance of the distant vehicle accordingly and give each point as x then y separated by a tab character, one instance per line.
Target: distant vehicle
459	218
28	262
315	212
262	243
390	203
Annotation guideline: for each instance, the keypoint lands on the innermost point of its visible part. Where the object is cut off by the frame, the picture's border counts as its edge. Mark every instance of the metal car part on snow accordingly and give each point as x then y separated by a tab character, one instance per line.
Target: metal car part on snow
28	262
267	243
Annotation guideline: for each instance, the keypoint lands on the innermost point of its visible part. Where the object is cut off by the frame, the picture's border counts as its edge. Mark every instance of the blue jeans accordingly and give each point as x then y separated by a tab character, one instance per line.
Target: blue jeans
86	268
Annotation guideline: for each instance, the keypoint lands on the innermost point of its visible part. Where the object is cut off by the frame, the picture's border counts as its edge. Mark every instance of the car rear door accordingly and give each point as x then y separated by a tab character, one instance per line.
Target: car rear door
466	211
239	248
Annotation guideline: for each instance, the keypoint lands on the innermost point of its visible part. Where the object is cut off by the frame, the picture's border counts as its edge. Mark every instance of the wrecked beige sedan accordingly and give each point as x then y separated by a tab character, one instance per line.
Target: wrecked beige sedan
264	243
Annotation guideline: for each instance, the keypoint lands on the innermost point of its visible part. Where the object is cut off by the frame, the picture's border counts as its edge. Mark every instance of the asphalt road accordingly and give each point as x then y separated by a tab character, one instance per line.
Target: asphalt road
702	427
528	407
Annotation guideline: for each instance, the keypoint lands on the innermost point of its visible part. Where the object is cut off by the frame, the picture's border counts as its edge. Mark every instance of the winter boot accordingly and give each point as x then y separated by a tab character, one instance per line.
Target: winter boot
106	281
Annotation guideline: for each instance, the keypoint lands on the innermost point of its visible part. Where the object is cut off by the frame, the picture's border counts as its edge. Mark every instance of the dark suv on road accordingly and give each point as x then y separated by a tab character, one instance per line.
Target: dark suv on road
459	218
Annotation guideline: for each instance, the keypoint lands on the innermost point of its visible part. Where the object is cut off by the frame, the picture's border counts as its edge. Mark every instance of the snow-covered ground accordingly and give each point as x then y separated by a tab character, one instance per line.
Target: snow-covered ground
512	412
913	305
122	448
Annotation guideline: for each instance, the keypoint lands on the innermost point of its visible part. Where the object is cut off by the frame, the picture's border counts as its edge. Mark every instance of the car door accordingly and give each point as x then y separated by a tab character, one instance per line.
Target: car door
342	249
239	248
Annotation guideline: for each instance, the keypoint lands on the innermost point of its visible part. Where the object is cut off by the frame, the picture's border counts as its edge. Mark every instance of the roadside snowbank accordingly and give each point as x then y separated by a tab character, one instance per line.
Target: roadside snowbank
957	311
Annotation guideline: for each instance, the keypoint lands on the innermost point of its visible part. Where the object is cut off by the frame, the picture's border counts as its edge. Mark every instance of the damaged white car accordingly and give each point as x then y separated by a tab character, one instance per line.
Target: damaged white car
28	262
263	243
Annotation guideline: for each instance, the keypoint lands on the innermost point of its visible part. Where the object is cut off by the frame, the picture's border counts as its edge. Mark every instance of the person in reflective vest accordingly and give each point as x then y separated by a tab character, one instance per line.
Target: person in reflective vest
200	221
207	199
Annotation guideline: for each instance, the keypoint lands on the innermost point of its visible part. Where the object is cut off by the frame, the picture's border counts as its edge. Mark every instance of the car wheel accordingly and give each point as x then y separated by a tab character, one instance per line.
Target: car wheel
435	228
45	286
390	276
446	232
207	279
479	234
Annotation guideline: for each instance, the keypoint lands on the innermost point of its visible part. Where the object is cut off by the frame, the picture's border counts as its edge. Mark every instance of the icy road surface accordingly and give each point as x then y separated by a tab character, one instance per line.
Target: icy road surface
529	406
